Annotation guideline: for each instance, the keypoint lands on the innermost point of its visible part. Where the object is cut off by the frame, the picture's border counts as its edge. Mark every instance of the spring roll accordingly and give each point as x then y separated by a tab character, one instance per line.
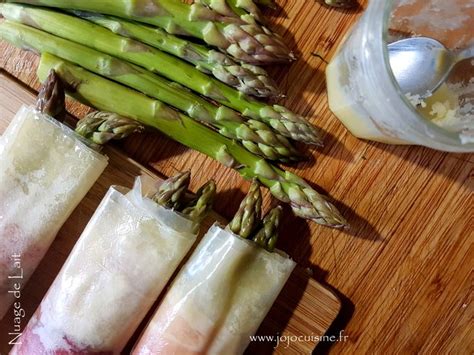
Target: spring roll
218	299
45	171
117	269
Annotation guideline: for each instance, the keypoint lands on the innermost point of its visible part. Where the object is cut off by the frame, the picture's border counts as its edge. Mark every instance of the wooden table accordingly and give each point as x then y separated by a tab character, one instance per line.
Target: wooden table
404	270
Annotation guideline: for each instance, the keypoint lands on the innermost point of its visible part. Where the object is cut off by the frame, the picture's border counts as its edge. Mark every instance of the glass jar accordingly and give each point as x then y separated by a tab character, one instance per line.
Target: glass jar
363	92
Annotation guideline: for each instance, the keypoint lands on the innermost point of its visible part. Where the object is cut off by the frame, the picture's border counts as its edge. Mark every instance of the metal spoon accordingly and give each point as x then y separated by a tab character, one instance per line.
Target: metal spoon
422	64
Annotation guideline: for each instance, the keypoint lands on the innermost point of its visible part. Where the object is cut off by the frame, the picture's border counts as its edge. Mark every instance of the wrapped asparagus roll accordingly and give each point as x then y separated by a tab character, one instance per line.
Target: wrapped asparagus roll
45	170
119	266
224	291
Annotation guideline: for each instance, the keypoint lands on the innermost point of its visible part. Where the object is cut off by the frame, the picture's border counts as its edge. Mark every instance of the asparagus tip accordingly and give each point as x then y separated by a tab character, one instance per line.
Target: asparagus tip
101	127
171	191
328	216
51	98
247	216
201	205
267	235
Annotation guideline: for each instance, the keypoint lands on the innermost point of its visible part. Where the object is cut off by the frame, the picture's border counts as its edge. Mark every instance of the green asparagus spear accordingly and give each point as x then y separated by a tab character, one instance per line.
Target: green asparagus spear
246	10
171	192
250	43
278	117
248	215
51	98
256	136
247	78
267	235
201	205
106	95
101	127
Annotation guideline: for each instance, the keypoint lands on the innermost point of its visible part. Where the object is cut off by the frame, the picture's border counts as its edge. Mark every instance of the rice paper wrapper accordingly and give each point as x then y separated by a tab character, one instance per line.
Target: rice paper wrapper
119	266
45	171
219	298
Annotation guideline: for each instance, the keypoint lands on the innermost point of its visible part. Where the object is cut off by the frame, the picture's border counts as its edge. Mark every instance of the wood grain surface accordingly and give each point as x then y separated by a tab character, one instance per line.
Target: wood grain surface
404	270
303	307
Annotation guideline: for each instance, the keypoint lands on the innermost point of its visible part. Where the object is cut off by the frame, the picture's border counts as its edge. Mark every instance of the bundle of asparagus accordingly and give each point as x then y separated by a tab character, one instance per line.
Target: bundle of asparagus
247	42
117	269
43	180
74	29
224	291
108	96
129	52
254	135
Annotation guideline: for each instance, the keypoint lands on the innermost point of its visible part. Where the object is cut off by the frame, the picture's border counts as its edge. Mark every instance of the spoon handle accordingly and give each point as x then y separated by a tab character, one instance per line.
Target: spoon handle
465	54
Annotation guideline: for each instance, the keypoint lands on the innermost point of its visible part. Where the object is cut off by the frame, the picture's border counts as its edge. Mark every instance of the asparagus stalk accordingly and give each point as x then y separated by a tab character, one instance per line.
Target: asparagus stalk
101	127
255	136
198	208
247	217
250	43
278	117
51	98
246	78
267	235
106	95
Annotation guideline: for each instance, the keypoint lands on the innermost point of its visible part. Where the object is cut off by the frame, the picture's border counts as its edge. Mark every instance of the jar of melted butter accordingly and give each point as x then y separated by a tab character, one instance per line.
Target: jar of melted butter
365	96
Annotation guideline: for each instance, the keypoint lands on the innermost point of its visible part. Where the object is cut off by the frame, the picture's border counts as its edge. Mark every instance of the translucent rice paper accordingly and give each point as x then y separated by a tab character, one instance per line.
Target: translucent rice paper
218	299
45	171
117	269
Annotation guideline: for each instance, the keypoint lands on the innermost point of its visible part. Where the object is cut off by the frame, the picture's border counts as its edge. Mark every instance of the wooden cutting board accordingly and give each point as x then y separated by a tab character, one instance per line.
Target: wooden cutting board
304	307
403	271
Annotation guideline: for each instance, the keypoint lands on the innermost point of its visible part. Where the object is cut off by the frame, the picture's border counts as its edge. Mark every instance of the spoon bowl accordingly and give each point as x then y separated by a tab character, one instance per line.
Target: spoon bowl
421	64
